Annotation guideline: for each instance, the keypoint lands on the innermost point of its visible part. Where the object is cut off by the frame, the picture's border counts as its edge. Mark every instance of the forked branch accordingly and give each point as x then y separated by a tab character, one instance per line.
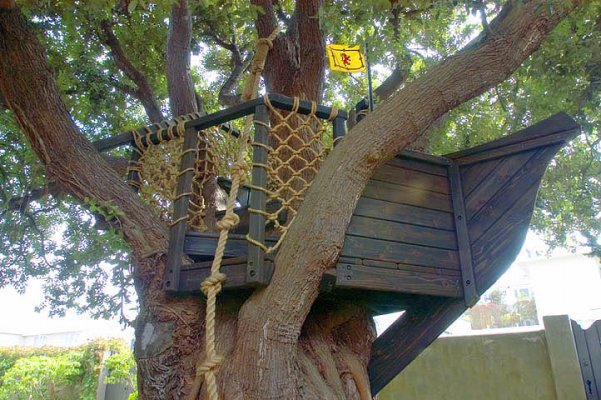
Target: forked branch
143	91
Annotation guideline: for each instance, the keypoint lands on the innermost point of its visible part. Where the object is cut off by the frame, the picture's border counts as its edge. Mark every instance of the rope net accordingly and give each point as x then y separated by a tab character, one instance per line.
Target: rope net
158	168
298	145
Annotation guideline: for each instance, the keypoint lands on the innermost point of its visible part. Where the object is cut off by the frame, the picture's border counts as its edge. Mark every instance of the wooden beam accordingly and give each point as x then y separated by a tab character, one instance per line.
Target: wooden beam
177	231
406	338
394	280
216	118
557	128
468	281
258	199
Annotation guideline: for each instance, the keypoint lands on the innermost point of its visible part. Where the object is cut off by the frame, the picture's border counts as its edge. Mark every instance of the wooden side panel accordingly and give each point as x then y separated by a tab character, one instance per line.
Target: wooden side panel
408	214
401	238
193	275
474	174
591	379
493	182
385	250
397	193
398	280
410	177
431	168
409	336
204	245
401	232
498	231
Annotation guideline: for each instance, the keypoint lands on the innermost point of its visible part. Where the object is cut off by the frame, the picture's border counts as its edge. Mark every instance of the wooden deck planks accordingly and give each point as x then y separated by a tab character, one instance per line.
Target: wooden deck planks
400	232
384	250
415	179
402	281
407	195
404	213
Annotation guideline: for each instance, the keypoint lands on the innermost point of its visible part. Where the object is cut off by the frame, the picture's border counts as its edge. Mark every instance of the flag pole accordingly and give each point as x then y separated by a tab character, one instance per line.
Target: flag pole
370	94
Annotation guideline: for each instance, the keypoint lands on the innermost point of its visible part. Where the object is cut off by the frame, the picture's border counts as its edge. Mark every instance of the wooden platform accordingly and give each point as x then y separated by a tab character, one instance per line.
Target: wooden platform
429	235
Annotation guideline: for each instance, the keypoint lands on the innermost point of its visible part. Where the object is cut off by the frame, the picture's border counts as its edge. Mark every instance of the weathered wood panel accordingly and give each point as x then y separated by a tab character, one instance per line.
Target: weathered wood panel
501	244
474	174
495	181
193	275
500	205
407	195
559	127
439	168
395	280
415	179
384	250
204	244
400	232
366	262
590	361
408	214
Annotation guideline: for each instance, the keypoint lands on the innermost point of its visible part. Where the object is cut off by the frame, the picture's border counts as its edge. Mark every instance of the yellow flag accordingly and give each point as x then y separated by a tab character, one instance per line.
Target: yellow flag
344	58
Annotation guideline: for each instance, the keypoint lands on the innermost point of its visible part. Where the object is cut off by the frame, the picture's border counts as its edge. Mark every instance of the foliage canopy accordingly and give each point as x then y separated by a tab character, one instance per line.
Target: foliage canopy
85	267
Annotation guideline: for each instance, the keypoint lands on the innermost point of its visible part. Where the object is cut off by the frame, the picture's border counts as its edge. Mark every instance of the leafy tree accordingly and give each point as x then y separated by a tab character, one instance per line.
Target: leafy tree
59	373
461	73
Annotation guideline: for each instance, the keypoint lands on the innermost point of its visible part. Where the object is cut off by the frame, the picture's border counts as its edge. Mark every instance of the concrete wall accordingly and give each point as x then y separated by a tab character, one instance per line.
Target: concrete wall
535	365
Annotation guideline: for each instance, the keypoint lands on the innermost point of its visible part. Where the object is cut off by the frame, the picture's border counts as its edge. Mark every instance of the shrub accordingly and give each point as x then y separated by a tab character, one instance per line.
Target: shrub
62	373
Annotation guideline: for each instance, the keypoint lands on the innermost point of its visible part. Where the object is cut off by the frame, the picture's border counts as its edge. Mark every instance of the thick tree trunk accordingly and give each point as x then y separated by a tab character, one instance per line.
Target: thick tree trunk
277	343
265	332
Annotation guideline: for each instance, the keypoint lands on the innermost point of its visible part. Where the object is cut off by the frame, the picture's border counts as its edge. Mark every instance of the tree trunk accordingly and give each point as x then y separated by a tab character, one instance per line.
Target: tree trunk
278	344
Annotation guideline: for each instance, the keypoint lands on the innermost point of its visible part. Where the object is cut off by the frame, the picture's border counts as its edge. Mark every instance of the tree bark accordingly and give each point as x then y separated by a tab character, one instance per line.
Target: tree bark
266	333
27	83
143	91
295	65
280	345
179	78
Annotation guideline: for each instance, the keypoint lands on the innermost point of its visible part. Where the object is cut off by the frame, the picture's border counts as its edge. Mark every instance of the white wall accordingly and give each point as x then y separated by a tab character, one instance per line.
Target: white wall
568	284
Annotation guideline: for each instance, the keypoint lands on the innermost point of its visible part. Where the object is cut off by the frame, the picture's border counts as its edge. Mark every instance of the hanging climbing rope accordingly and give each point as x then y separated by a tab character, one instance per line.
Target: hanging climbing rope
295	150
212	285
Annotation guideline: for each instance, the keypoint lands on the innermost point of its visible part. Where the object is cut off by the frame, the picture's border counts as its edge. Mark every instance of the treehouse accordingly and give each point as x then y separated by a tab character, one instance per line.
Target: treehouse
429	234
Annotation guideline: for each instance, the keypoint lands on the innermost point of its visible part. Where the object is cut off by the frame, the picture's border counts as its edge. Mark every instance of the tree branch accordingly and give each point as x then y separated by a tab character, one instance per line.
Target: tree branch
312	46
265	332
3	104
28	84
144	92
227	95
118	164
182	98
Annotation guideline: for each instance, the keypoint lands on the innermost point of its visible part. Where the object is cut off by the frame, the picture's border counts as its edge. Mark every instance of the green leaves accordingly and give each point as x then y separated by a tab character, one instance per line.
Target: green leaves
57	373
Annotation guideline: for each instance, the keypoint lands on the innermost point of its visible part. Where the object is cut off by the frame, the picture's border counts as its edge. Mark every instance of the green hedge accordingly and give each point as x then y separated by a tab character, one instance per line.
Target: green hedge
62	373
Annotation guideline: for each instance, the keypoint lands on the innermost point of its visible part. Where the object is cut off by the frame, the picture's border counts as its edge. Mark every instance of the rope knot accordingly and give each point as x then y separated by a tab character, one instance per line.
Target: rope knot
241	171
228	222
265	41
213	281
209	365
